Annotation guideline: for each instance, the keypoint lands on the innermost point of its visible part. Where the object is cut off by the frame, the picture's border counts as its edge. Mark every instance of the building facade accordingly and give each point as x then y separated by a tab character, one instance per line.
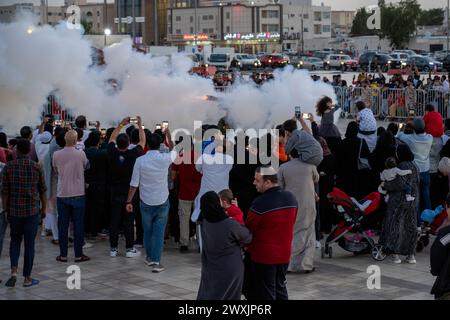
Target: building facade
249	26
341	23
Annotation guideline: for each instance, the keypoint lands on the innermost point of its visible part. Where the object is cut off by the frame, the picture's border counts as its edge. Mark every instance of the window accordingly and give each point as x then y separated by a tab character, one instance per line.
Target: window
326	29
178	18
178	31
228	15
98	13
317	16
211	30
205	18
228	29
305	30
270	28
211	17
205	31
89	14
49	14
306	16
317	29
191	19
326	15
60	14
271	14
192	30
98	25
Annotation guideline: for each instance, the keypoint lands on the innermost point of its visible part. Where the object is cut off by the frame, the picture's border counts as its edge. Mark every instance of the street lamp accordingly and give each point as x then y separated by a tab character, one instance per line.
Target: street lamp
107	33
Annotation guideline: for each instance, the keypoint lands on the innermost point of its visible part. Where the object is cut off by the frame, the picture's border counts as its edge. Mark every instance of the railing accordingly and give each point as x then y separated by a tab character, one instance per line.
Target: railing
392	103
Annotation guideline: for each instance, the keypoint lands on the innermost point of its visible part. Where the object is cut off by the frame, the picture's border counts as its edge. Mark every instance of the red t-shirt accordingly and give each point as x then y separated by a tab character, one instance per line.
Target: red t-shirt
434	124
189	178
235	213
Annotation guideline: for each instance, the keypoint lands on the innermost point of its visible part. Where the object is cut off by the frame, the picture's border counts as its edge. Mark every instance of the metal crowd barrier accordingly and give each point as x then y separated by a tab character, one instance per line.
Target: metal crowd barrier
392	103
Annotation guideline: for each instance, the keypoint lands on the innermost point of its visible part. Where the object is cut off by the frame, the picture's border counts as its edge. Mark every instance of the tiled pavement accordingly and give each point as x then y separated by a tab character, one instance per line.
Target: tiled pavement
342	277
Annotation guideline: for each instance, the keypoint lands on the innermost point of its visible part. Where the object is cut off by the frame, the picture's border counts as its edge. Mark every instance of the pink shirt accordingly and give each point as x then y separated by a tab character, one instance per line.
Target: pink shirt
70	164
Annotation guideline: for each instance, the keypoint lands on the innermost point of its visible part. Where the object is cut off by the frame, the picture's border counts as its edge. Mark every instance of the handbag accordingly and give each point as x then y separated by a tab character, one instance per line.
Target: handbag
363	163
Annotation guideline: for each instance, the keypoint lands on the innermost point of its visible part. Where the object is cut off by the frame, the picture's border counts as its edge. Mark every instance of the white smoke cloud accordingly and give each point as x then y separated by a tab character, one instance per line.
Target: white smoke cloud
34	64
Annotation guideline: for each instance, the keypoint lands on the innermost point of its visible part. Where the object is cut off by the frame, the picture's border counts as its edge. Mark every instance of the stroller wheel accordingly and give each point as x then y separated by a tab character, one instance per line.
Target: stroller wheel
419	246
377	253
322	252
330	252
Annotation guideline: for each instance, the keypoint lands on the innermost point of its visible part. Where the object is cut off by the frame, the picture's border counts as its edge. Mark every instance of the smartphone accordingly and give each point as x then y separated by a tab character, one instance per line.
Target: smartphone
305	115
133	120
298	112
93	124
58	122
158	127
165	124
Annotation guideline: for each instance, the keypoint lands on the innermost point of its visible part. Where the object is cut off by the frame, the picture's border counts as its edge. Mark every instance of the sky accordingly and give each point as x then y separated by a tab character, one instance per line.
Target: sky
335	4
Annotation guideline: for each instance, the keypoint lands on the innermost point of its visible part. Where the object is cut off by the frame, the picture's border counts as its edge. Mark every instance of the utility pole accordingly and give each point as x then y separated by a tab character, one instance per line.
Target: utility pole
134	21
120	17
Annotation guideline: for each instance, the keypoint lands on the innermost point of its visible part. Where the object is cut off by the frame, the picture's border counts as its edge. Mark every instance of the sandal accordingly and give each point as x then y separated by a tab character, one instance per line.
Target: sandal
33	282
11	282
83	258
61	259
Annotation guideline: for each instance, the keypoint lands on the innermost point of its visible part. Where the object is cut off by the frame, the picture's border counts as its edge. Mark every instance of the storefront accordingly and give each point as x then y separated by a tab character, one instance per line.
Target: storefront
242	42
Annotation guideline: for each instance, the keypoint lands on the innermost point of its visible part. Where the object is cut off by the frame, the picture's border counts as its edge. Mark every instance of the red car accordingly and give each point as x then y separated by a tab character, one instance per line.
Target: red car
274	60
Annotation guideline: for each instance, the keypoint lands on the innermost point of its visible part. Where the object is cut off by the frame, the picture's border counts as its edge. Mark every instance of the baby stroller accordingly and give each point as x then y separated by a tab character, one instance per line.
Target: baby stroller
430	227
353	214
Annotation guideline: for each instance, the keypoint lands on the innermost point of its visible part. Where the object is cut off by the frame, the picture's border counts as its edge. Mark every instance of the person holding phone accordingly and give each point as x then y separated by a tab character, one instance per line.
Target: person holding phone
327	128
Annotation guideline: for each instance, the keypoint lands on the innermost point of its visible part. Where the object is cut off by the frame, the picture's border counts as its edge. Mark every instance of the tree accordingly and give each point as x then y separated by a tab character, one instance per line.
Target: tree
398	22
87	26
359	26
432	17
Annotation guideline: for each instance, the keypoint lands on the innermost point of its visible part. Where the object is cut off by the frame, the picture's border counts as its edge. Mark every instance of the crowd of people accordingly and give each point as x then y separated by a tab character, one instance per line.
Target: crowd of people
253	223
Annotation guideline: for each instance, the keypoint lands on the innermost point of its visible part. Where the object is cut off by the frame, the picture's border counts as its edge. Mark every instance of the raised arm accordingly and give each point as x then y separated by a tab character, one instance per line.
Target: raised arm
142	137
117	130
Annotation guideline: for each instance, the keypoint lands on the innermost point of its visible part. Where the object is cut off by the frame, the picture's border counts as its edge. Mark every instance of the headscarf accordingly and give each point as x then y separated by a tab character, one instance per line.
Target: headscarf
210	208
352	130
404	153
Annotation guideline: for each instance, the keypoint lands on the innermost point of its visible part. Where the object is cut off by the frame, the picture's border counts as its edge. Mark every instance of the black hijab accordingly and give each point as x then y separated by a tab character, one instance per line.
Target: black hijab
404	153
352	130
210	208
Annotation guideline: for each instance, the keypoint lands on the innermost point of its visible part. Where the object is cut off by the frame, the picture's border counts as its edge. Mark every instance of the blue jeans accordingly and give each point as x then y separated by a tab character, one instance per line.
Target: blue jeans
154	220
72	208
425	199
26	229
3	225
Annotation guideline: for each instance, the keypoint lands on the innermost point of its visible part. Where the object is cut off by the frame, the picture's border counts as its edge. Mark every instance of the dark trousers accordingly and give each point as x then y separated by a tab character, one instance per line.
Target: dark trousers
138	218
174	219
119	215
26	229
71	209
438	189
425	200
269	282
95	208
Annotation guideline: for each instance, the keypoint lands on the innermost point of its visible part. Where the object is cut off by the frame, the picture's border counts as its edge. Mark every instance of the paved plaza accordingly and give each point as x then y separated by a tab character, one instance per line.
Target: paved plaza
342	277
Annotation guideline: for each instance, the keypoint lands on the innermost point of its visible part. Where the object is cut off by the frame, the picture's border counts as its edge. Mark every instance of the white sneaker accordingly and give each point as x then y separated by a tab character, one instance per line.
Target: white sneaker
318	245
113	252
411	259
150	263
158	267
395	259
87	245
131	253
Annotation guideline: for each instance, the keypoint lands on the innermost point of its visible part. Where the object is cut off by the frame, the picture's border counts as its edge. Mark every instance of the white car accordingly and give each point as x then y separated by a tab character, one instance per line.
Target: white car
247	61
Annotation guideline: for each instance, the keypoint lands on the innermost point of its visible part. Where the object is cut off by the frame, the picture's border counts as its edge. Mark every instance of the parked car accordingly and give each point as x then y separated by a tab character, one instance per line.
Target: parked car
446	63
410	53
311	63
247	62
441	55
340	61
378	60
321	54
274	60
425	64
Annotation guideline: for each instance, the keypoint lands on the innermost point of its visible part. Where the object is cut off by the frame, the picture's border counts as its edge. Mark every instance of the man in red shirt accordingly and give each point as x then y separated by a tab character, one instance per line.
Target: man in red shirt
434	124
271	221
189	186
